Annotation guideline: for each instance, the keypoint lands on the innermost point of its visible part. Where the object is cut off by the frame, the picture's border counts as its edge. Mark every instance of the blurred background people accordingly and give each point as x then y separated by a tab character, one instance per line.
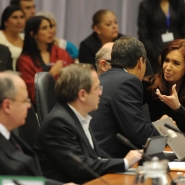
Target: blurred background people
39	53
64	44
28	7
170	82
5	58
159	22
105	29
12	23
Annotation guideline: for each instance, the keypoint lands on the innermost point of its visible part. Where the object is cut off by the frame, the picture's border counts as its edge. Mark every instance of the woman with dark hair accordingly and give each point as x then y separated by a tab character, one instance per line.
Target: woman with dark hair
39	53
165	91
12	23
160	22
105	28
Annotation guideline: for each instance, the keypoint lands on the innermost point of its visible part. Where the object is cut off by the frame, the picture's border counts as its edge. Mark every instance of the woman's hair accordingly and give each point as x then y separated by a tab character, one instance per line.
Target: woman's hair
30	44
173	3
158	81
98	16
8	11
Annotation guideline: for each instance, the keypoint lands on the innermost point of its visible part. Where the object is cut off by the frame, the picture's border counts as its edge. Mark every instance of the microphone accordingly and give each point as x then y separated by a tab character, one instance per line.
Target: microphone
173	128
128	143
80	163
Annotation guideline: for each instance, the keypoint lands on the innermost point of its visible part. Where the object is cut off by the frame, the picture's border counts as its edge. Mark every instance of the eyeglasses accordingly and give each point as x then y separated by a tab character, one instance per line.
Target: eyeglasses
27	100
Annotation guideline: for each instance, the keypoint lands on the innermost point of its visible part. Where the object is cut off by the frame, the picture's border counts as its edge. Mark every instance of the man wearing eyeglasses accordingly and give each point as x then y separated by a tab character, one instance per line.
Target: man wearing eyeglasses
16	157
103	57
66	130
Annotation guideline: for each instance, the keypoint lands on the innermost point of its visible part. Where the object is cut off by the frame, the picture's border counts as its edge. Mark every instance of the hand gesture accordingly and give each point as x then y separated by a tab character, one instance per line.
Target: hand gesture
56	68
133	156
172	101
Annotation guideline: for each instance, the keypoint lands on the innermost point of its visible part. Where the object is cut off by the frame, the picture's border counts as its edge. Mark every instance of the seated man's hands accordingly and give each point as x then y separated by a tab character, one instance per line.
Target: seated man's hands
133	156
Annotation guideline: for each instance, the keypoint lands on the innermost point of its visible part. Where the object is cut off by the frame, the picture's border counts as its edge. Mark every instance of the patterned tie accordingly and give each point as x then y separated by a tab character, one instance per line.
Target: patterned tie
15	143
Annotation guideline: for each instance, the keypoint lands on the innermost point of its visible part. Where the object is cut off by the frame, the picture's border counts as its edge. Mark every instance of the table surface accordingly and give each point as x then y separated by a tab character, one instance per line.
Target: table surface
125	179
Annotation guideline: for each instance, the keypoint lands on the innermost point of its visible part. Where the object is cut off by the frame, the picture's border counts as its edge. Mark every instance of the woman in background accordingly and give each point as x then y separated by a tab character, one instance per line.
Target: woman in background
165	91
159	22
105	28
64	44
39	53
12	24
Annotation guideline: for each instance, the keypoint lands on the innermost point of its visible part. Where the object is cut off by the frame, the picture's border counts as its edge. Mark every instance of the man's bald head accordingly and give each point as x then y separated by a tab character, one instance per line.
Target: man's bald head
103	56
14	101
7	84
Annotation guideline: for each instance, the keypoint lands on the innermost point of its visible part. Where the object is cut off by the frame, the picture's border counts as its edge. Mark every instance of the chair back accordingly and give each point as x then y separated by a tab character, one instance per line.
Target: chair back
44	94
28	132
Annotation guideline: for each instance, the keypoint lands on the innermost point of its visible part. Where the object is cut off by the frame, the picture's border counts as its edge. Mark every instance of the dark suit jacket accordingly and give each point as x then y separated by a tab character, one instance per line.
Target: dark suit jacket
120	111
152	23
62	132
89	47
15	163
5	58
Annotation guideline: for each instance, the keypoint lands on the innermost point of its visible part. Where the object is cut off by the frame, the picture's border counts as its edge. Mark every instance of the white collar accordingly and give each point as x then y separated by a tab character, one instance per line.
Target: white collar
4	131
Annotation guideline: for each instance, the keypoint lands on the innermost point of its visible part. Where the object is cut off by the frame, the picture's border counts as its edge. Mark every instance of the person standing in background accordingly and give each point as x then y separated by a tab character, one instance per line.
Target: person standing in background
159	22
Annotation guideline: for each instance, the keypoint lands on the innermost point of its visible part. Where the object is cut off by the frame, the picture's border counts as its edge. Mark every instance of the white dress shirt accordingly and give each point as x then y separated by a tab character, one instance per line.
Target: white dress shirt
4	131
85	125
85	121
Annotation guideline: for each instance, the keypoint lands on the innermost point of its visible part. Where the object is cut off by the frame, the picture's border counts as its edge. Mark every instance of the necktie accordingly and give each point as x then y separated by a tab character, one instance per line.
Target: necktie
15	143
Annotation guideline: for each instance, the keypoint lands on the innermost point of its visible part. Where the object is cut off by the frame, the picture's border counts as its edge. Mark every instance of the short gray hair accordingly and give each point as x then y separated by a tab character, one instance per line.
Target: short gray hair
103	53
71	79
126	51
7	86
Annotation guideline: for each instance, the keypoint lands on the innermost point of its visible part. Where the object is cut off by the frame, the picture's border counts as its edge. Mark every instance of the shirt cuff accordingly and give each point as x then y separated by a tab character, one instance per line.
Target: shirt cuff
126	164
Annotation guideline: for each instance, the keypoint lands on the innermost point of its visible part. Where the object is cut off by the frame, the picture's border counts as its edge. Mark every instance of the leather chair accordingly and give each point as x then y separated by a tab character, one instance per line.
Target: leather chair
44	94
28	131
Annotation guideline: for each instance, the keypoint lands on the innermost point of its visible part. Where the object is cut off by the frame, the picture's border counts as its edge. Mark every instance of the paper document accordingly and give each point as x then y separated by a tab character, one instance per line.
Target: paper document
177	166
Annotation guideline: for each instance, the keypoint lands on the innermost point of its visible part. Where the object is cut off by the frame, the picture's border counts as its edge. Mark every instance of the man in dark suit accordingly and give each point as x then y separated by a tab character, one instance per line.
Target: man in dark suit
103	56
66	129
16	158
120	108
5	58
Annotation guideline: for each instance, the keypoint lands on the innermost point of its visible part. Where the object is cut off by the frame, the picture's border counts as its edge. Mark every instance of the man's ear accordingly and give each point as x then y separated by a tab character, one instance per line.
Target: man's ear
102	65
82	95
96	29
6	106
140	62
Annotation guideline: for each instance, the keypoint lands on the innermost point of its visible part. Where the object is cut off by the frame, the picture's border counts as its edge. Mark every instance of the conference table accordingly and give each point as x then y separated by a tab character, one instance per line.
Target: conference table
127	179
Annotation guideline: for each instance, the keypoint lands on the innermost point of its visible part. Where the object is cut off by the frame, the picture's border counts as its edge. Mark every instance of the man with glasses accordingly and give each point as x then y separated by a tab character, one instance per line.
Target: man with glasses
66	130
103	57
16	157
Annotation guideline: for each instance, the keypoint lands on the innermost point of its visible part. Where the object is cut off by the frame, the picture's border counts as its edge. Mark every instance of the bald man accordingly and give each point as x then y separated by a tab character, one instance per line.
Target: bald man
17	158
103	57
